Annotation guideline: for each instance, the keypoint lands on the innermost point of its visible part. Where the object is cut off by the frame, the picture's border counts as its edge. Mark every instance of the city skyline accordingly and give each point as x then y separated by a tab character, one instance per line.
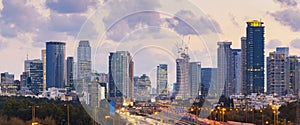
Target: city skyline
230	22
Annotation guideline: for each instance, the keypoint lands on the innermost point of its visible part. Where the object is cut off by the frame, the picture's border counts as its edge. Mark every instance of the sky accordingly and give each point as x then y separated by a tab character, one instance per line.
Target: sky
26	25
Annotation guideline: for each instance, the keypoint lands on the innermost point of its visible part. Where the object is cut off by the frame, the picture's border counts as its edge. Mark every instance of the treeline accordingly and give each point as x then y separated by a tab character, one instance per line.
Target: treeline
18	111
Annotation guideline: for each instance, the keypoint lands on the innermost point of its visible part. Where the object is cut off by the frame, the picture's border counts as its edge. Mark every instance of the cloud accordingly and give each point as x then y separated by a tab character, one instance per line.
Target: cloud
186	23
295	43
2	45
139	13
70	24
287	3
272	44
16	17
233	20
71	6
288	17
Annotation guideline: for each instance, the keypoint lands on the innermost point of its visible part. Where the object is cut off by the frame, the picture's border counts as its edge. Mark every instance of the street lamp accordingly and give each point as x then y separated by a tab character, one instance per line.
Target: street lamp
275	111
33	114
108	117
262	116
223	112
68	112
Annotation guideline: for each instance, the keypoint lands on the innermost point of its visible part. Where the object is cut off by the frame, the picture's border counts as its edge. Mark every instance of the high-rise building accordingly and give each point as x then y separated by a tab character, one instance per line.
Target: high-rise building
209	78
70	71
120	74
34	70
244	65
182	76
195	79
254	53
225	68
162	80
7	78
84	63
236	71
278	72
294	74
55	58
143	88
43	56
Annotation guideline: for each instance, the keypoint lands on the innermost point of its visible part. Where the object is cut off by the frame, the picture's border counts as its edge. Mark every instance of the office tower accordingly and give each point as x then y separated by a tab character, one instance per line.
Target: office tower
120	74
182	75
7	78
34	71
143	88
254	57
278	72
55	58
195	79
23	78
162	80
294	74
70	72
209	78
244	65
43	56
236	71
225	68
84	64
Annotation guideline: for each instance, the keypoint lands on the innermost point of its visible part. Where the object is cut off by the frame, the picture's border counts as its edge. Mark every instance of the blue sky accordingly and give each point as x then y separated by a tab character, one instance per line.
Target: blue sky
26	25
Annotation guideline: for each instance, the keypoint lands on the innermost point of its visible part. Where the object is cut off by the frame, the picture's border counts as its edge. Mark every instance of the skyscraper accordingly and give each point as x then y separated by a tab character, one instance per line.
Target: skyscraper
43	56
278	72
255	57
209	78
120	75
34	69
143	88
55	58
195	79
182	76
162	80
70	73
225	68
294	74
7	78
236	71
244	65
84	64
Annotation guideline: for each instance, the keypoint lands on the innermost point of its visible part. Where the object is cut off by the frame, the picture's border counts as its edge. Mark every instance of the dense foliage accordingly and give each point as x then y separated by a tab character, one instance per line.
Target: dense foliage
18	111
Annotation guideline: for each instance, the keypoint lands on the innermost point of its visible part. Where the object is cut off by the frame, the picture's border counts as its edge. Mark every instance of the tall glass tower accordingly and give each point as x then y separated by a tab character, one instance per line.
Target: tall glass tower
84	63
120	75
225	68
34	69
55	58
162	80
255	42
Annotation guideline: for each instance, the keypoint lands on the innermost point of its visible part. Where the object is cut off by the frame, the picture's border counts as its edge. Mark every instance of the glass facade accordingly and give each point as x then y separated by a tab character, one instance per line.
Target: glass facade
162	80
255	42
34	69
84	64
121	75
55	58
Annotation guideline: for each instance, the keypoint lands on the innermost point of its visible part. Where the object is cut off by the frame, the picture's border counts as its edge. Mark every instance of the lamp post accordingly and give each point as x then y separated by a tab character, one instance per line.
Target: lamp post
223	113
68	113
275	111
262	116
108	117
33	114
